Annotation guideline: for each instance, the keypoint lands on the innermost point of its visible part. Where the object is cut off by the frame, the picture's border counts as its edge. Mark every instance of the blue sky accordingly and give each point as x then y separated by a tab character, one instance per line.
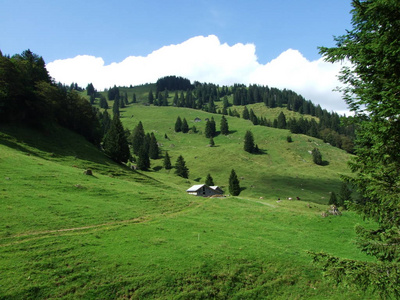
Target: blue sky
116	30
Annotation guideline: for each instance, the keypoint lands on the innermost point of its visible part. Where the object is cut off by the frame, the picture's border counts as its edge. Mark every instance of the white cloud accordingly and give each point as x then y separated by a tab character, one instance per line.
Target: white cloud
205	59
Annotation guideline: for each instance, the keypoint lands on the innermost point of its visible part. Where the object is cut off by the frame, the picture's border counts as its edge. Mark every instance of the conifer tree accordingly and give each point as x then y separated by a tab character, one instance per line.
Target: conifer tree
245	113
212	143
154	150
180	167
143	160
317	157
234	186
224	126
105	122
333	199
281	124
178	124
344	195
115	143
167	161
116	106
185	126
249	142
371	90
151	97
209	180
138	137
103	102
134	98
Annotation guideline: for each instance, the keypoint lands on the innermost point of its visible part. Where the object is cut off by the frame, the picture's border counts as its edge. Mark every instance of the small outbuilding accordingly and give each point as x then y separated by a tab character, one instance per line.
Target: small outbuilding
204	190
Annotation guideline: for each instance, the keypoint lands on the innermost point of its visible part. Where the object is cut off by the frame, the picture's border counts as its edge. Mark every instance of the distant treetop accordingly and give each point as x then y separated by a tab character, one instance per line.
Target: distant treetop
172	83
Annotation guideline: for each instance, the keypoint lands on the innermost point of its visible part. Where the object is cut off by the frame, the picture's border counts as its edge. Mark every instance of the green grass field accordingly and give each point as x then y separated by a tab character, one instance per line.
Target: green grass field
137	235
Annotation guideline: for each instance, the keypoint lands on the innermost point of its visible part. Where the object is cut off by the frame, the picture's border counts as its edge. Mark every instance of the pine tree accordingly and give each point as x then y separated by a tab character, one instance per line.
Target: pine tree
185	126
212	143
209	180
224	126
138	137
103	102
105	122
180	167
281	124
317	157
249	142
143	160
245	114
178	124
134	98
234	186
167	161
115	143
151	97
333	199
344	195
154	150
116	107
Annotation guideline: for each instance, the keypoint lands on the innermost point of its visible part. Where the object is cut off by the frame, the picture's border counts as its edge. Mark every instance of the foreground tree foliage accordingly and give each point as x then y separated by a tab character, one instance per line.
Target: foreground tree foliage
373	93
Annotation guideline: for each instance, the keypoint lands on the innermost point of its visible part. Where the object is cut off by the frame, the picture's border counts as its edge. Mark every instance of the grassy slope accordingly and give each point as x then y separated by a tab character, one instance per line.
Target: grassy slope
138	235
284	170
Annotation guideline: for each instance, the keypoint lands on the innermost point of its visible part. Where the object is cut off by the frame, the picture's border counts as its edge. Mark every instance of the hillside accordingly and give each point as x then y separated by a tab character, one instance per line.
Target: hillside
124	234
282	170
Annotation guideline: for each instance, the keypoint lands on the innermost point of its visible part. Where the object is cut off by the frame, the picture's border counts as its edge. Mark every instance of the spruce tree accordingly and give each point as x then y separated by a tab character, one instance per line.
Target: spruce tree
333	199
138	137
209	180
224	126
245	113
185	126
180	167
178	124
344	195
143	160
234	186
249	142
212	143
151	97
317	157
167	161
281	124
115	143
154	150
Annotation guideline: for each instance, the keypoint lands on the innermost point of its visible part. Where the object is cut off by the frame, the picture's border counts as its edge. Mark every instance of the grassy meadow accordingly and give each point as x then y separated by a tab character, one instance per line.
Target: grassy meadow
136	235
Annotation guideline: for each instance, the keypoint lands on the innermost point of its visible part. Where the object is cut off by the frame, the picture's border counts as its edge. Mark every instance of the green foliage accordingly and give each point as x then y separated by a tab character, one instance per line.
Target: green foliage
185	126
249	142
317	156
289	139
371	91
281	122
209	180
154	150
224	127
210	130
333	199
137	138
115	143
143	160
181	168
167	161
344	195
245	114
234	186
178	124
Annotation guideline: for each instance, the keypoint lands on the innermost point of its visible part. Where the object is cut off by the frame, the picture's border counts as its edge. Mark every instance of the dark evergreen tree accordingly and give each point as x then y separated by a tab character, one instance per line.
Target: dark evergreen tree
90	89
138	136
103	102
317	157
249	142
245	113
180	167
154	150
344	195
167	161
224	126
234	186
143	160
212	143
105	123
185	126
178	124
281	124
151	97
115	143
333	200
116	107
209	180
134	98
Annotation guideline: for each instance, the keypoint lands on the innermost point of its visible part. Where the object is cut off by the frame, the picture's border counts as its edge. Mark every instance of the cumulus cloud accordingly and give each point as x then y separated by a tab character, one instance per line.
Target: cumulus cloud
205	59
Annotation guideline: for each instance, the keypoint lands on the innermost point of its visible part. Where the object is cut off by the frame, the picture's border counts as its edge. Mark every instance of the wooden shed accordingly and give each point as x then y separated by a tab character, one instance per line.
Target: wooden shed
204	190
